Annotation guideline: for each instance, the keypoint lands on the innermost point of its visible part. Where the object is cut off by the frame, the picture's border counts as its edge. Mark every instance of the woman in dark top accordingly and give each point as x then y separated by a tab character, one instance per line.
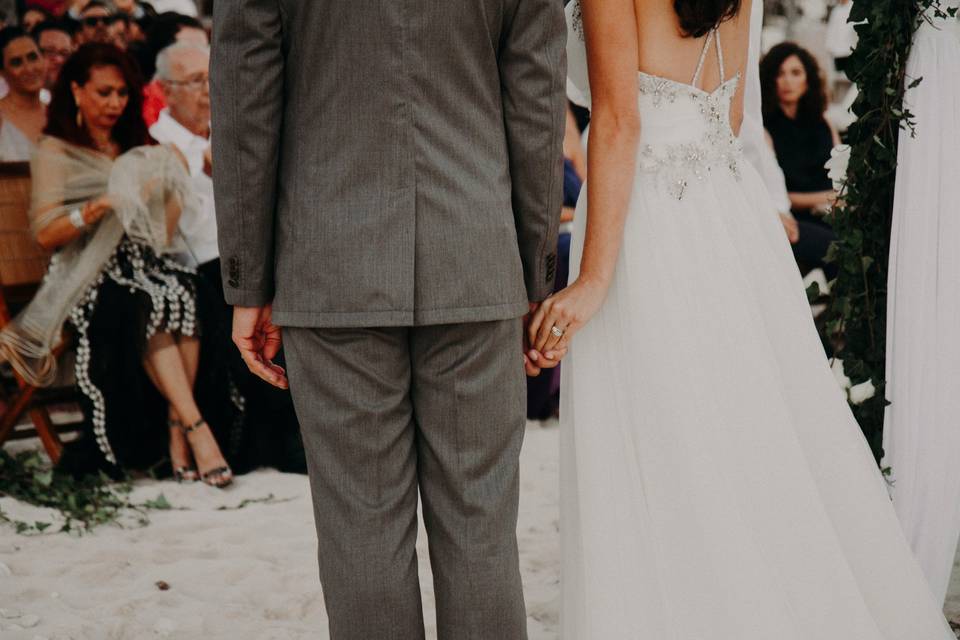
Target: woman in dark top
794	102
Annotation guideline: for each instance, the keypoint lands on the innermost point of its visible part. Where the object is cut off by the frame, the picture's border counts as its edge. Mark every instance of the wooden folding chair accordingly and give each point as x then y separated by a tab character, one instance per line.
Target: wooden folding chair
22	266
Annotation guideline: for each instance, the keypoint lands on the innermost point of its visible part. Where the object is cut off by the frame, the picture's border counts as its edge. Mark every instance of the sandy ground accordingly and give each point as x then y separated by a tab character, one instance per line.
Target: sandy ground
241	574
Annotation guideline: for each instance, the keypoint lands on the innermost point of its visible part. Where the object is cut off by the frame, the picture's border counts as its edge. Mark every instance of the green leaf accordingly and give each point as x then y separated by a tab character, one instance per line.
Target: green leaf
159	503
44	478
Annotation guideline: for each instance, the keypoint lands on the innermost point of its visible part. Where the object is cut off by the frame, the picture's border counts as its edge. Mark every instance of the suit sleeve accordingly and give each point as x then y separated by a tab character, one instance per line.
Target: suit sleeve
533	84
246	91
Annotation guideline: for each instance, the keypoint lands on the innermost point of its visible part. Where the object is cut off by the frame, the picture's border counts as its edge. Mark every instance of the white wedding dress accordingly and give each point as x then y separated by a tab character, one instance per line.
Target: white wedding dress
714	484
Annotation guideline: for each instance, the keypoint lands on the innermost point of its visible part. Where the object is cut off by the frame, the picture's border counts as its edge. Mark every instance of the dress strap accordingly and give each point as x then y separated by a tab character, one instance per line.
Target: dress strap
723	74
703	58
714	35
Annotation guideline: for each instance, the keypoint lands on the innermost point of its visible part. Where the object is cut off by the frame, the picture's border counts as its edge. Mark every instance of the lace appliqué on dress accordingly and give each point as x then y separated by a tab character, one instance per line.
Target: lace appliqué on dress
680	164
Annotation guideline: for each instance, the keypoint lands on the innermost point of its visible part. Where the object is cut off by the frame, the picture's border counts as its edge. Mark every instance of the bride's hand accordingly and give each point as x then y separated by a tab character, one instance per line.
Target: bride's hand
568	311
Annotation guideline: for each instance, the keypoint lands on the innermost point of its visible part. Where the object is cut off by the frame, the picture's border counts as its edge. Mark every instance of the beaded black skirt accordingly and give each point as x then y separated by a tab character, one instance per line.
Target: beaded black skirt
137	295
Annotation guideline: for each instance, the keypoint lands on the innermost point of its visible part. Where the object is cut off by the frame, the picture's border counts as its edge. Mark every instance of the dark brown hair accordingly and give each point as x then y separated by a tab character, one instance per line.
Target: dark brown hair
8	35
129	131
698	17
813	103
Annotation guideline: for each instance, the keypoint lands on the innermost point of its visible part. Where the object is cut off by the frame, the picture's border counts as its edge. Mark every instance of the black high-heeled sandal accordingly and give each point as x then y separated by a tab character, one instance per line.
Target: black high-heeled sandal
185	473
221	477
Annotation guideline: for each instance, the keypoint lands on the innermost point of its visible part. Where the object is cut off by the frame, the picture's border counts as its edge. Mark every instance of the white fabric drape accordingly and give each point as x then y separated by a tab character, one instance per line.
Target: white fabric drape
922	426
755	146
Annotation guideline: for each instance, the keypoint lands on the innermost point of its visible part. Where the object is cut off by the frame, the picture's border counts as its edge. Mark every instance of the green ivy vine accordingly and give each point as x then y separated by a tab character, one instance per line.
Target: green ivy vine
862	220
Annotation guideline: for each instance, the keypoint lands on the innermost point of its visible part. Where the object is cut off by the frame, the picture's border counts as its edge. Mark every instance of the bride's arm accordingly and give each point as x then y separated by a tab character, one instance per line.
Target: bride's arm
610	28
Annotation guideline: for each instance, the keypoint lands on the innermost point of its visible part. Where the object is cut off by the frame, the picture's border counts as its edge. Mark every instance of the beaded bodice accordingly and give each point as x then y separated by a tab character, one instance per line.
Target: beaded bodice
685	130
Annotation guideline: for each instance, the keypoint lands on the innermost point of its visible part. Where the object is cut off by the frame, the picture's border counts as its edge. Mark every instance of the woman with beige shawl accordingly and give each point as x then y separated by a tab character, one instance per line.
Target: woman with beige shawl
107	203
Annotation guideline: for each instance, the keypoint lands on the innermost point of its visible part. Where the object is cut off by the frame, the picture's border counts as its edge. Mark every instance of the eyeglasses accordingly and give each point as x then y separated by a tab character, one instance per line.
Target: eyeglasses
96	21
194	84
50	52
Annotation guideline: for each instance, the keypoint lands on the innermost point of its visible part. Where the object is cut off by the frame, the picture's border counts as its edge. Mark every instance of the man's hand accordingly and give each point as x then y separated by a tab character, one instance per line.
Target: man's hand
534	361
259	342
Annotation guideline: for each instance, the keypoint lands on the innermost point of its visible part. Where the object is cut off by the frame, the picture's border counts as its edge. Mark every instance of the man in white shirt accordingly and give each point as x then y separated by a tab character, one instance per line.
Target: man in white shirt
271	422
183	73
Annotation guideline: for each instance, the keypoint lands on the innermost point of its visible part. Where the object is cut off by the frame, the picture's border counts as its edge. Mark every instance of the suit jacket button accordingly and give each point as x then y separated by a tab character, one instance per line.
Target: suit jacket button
233	283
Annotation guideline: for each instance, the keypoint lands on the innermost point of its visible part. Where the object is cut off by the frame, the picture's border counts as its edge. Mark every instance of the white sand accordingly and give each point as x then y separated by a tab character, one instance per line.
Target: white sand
238	574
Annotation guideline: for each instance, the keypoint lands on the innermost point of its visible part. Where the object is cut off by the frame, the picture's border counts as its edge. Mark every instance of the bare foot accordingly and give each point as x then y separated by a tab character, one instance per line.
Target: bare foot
214	470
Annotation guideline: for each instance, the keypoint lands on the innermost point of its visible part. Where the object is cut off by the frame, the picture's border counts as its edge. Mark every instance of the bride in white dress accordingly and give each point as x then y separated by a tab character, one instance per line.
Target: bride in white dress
715	485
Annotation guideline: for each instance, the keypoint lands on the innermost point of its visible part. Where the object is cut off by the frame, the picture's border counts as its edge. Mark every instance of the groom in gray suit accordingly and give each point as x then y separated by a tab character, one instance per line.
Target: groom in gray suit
388	181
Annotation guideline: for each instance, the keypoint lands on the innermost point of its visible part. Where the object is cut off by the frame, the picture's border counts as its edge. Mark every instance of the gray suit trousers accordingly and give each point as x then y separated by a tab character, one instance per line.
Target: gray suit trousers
385	412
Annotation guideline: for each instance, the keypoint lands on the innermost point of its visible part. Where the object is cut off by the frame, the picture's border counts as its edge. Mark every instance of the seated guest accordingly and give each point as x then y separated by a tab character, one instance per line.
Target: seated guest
22	113
55	38
97	21
33	16
120	30
794	103
138	17
107	204
183	75
166	29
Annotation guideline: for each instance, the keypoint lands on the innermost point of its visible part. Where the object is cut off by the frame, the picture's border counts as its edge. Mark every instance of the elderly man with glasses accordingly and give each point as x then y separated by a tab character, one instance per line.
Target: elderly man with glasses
183	74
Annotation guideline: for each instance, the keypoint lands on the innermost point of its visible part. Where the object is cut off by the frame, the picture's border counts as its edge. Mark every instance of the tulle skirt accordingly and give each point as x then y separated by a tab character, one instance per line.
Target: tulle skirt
714	484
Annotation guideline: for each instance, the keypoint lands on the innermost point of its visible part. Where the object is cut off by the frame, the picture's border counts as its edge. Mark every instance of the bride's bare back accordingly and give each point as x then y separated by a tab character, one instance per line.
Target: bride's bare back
663	51
651	30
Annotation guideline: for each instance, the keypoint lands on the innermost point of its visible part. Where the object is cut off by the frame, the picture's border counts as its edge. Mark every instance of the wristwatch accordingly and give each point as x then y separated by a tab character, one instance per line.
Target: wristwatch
76	218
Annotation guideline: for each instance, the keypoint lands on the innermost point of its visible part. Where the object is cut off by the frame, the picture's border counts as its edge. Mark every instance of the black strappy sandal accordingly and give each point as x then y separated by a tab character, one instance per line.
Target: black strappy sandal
185	473
221	477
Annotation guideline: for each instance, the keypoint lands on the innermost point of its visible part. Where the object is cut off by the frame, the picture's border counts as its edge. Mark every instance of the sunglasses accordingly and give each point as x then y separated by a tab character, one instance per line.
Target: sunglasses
96	21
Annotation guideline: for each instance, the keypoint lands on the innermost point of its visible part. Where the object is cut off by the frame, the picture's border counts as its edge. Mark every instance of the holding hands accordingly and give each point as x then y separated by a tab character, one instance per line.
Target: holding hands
555	321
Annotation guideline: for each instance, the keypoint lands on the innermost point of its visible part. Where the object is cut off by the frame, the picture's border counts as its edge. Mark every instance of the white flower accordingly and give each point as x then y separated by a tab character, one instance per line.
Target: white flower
837	367
836	166
862	392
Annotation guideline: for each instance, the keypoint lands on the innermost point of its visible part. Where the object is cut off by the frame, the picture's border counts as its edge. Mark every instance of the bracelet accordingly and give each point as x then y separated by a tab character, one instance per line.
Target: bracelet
76	218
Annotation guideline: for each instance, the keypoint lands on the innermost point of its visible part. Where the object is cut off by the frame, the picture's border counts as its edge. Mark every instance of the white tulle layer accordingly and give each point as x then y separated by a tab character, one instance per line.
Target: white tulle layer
714	483
922	430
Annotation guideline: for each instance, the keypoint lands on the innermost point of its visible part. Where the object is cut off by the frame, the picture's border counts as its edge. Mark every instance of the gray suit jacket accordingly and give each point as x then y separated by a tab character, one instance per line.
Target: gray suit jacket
388	162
